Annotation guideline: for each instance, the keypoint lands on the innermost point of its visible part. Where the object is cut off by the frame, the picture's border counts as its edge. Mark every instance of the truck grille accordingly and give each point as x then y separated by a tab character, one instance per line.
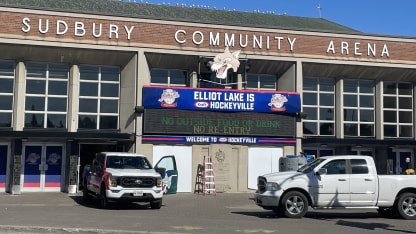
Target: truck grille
261	184
137	182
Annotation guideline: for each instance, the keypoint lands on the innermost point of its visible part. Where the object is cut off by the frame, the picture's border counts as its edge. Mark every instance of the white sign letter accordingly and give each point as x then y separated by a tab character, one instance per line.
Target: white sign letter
200	34
371	49
93	31
26	21
176	36
40	26
241	41
58	26
344	46
79	26
229	41
278	41
113	29
128	31
331	47
356	48
385	51
214	41
291	43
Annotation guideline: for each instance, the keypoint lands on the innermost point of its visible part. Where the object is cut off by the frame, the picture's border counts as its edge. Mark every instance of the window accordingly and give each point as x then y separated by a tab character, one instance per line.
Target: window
398	109
359	166
319	105
46	95
168	77
358	108
261	82
7	69
98	97
335	167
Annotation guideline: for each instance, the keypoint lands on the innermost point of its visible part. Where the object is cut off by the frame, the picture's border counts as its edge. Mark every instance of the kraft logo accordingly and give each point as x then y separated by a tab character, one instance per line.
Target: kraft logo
223	139
202	104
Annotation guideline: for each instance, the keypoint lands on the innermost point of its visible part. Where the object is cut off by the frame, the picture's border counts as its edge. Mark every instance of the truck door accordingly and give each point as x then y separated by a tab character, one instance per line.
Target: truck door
363	184
170	178
333	188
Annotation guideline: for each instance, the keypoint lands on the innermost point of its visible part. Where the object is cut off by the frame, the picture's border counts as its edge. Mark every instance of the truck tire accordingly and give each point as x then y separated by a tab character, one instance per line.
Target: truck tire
406	206
103	198
388	212
156	204
294	204
85	195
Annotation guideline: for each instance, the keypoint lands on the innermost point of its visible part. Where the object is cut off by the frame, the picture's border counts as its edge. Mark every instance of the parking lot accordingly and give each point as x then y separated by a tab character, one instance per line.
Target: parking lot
180	213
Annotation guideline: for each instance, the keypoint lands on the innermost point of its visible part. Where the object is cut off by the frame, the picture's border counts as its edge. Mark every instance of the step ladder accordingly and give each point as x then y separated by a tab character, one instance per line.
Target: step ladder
199	184
208	176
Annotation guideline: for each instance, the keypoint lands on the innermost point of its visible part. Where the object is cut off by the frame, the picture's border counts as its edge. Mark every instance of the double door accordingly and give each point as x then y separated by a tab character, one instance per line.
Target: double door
42	167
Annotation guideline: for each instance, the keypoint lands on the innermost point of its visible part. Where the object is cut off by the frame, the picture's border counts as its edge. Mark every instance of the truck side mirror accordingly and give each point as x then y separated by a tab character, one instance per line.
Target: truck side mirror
322	171
160	170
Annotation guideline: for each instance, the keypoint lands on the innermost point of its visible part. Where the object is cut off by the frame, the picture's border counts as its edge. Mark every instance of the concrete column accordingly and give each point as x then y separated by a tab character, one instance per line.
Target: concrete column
287	82
143	78
72	162
16	161
73	98
298	77
379	102
339	106
19	97
193	79
240	81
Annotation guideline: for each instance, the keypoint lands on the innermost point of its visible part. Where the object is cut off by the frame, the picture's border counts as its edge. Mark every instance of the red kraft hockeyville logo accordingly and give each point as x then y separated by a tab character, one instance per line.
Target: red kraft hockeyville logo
168	98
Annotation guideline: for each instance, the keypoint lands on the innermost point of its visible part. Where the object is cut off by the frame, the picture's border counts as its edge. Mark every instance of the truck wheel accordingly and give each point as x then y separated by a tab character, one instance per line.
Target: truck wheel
156	204
103	198
85	195
387	212
406	205
294	204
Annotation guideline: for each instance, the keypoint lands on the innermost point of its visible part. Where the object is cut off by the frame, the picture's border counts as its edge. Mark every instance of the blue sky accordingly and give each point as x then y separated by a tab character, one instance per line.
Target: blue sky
393	17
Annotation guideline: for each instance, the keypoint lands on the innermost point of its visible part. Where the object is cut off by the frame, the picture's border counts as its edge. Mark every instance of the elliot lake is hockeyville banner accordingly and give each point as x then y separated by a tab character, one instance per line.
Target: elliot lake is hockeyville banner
220	100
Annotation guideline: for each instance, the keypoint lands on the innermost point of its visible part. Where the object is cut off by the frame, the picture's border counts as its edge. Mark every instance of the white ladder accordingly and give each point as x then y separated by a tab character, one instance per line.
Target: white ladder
209	179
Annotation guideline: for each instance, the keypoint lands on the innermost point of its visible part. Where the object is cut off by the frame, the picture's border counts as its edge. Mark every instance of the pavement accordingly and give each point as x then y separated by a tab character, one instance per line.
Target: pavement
68	213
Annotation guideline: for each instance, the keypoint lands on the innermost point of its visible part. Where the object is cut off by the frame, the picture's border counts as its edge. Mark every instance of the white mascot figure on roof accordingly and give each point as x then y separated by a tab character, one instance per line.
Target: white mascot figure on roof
224	61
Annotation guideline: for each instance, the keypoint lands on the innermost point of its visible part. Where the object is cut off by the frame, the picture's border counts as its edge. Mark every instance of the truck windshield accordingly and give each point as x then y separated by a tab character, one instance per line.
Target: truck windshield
127	162
310	166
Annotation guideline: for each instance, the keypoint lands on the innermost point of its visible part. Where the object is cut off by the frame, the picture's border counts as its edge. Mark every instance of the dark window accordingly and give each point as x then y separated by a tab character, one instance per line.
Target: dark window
359	166
335	167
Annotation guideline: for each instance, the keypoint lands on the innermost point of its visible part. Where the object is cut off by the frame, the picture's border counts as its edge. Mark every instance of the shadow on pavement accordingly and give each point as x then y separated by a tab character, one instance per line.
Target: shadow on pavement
95	204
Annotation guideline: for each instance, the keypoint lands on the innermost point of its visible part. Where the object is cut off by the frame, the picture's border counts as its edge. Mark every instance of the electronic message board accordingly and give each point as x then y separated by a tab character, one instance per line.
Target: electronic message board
191	122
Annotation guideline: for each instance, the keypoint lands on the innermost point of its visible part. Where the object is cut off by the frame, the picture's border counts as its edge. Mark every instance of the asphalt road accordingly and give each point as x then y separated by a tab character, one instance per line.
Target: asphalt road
180	213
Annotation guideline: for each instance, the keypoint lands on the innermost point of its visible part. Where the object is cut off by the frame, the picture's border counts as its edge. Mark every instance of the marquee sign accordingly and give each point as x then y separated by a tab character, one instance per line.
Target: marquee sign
198	123
220	100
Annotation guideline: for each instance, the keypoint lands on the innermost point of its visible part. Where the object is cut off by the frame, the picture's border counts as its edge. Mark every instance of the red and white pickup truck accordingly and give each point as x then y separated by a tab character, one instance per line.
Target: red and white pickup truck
337	182
117	176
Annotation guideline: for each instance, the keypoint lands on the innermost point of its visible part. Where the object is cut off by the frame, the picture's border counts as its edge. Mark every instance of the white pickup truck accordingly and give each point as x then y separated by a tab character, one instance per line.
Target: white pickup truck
349	181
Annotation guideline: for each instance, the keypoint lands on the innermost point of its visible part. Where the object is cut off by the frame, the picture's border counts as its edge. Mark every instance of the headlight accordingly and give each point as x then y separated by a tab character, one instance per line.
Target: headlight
159	182
113	181
270	186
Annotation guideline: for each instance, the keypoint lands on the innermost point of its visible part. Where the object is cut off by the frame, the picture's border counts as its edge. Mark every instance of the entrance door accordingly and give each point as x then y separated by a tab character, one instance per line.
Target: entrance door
3	167
399	160
262	160
42	168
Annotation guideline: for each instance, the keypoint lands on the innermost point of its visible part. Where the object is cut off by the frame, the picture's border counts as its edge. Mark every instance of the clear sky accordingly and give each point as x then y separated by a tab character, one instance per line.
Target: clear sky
391	17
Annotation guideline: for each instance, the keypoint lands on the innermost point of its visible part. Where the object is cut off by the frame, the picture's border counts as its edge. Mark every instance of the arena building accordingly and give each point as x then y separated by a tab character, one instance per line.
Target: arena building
81	77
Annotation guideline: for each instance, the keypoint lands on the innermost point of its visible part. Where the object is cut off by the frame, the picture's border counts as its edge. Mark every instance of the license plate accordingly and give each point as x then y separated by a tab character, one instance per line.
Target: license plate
138	193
